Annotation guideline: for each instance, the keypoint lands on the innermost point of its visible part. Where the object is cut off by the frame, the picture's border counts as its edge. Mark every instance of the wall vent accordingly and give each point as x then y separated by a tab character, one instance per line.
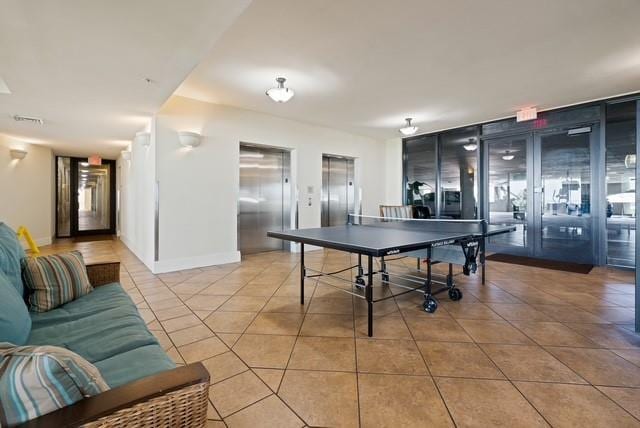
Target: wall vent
36	120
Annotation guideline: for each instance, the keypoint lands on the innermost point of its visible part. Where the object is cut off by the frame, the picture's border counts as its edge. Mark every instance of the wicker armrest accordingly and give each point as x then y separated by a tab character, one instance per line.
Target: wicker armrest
103	273
175	398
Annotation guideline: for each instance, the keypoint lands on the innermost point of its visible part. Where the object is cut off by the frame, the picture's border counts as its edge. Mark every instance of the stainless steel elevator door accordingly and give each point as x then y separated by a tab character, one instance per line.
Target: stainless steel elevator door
264	198
338	198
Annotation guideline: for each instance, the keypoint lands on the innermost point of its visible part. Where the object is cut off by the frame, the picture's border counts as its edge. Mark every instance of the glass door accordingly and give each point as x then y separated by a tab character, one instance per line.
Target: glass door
509	180
94	197
563	223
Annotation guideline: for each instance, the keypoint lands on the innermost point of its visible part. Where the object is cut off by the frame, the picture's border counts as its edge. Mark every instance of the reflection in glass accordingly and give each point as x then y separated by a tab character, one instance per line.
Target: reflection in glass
508	189
458	174
94	208
63	208
621	183
566	198
421	175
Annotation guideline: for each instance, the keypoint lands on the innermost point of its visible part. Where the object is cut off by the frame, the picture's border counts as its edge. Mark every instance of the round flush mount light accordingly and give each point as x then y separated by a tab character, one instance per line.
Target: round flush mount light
280	94
189	139
409	129
471	145
507	156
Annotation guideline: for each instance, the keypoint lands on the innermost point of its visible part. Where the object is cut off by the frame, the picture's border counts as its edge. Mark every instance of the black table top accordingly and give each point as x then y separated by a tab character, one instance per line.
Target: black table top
381	239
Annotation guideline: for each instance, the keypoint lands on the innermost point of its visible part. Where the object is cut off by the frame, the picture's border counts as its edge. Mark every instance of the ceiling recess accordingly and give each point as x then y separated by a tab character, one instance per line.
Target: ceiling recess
36	120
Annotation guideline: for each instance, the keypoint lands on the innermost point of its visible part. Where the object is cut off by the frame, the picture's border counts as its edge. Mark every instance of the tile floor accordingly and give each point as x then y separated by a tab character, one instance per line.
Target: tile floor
532	347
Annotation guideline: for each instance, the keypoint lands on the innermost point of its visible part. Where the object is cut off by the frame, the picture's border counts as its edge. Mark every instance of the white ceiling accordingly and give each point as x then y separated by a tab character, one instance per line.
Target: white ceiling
364	65
81	65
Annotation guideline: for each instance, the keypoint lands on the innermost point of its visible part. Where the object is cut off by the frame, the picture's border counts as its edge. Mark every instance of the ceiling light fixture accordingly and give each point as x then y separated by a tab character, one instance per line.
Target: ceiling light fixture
471	145
409	129
280	94
189	139
507	156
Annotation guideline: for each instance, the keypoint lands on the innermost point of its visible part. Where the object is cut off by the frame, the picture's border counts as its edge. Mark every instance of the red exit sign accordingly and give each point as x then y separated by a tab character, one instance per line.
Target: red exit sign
526	114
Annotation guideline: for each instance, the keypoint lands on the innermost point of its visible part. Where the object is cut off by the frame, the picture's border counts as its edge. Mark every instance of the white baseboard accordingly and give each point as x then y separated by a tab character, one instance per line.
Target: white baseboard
165	266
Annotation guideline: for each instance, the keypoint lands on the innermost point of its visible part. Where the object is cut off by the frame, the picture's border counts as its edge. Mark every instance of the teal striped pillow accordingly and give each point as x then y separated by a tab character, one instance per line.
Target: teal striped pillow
36	380
55	280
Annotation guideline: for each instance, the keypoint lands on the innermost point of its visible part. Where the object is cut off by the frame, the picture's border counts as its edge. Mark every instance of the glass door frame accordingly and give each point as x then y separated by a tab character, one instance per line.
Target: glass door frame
74	199
526	250
595	192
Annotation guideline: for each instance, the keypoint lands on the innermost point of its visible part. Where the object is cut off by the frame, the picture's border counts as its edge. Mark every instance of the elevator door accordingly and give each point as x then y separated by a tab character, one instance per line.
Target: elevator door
337	190
263	202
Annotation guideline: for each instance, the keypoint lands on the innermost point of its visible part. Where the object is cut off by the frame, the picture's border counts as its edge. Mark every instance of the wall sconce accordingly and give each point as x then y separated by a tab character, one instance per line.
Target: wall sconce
143	138
18	154
126	154
189	139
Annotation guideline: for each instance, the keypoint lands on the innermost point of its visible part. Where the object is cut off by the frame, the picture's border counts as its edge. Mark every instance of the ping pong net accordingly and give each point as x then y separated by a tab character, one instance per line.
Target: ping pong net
454	226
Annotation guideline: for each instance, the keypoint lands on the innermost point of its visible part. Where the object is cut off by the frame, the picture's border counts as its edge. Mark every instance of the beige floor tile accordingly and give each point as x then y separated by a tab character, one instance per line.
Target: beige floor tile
385	327
276	323
327	305
272	377
204	302
627	398
212	413
631	355
243	304
224	366
400	401
322	398
440	330
180	323
264	350
190	335
268	413
389	356
487	403
458	360
608	335
518	312
483	331
324	353
202	350
472	311
237	392
553	334
567	313
229	339
327	325
575	405
530	363
599	366
229	322
286	305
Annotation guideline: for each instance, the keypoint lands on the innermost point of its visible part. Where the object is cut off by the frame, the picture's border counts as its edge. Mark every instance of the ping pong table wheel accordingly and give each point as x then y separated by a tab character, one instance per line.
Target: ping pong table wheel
455	294
430	305
360	284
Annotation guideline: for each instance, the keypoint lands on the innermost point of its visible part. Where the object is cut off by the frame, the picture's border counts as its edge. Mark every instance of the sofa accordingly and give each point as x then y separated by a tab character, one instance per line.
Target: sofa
105	328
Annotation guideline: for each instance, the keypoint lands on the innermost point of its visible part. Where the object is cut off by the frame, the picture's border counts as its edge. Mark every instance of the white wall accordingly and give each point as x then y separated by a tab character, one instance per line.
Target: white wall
199	188
137	187
393	171
27	189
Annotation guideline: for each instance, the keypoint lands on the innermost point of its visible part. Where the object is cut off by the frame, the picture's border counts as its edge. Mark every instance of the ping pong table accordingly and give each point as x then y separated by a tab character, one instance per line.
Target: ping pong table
381	237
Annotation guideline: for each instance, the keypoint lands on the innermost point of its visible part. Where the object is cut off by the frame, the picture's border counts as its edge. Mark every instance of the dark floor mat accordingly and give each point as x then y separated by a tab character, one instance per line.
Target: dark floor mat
541	263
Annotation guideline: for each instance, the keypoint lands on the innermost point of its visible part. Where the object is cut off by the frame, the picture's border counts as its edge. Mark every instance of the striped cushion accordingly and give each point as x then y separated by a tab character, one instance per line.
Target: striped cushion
55	280
396	211
36	380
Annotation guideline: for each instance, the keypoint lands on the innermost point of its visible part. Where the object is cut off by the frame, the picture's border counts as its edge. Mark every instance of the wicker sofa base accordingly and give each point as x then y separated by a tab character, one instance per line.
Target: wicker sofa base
186	407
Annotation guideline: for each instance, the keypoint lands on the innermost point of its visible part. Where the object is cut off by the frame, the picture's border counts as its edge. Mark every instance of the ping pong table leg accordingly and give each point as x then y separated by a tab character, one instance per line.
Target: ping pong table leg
482	261
369	295
302	273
